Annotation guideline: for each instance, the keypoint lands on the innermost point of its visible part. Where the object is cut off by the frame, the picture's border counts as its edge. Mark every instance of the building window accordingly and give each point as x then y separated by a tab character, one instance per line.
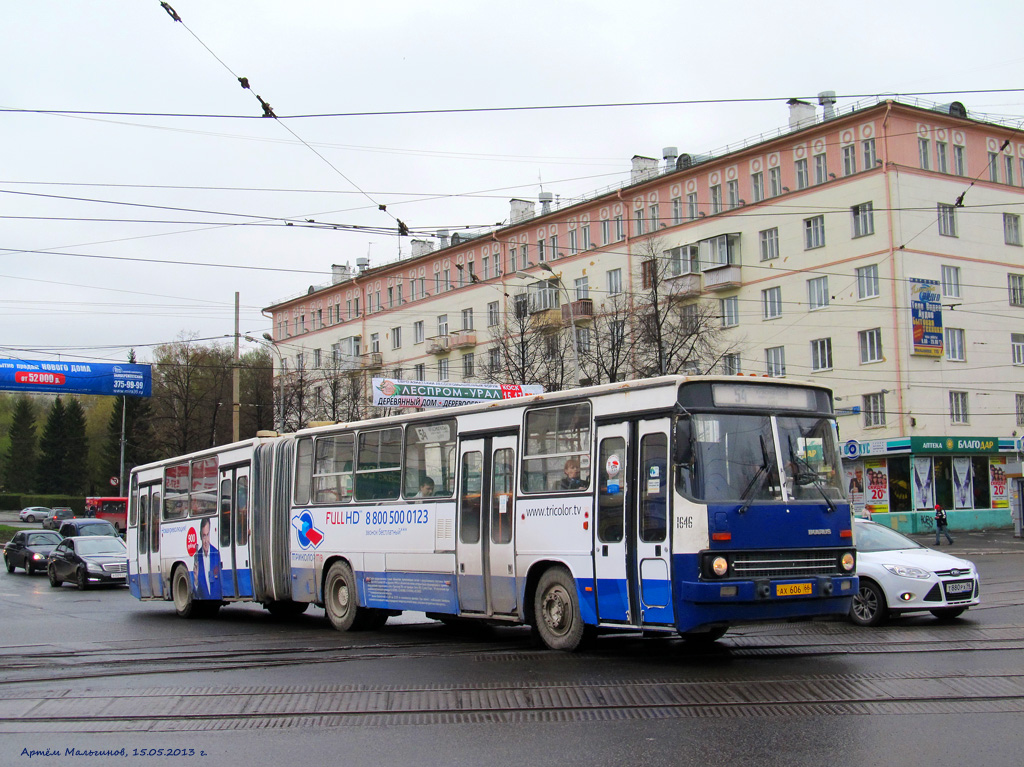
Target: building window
606	232
868	147
494	360
554	247
863	219
614	282
730	311
771	303
1011	229
769	244
582	288
417	332
924	153
849	159
951	282
1015	283
775	361
958	407
396	338
1020	409
677	210
993	167
468	365
732	189
375	343
814	232
620	229
955	345
573	245
691	206
540	251
941	157
873	407
821	354
731	365
583	340
960	160
493	314
442	370
775	181
870	345
638	218
585	237
467	319
757	186
653	215
820	169
802	178
716	199
947	220
442	324
817	293
867	282
1017	348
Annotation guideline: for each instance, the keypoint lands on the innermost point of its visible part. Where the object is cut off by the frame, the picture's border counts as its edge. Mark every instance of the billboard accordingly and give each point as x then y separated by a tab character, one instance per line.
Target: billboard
388	392
926	317
76	378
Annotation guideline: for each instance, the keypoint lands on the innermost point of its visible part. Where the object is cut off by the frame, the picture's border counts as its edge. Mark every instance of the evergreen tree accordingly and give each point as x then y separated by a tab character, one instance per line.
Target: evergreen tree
76	450
52	464
138	432
19	468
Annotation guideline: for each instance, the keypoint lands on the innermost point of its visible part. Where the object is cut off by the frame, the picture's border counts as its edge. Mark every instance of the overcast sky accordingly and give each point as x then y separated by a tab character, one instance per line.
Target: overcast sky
94	207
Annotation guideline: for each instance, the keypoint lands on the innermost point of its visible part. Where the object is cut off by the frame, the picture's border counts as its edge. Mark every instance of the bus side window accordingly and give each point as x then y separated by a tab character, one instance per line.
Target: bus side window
653	488
225	512
144	522
472	485
155	525
501	496
303	470
611	500
242	511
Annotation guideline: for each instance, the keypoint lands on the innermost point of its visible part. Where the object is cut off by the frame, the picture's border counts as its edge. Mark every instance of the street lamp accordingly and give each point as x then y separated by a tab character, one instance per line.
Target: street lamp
572	316
268	341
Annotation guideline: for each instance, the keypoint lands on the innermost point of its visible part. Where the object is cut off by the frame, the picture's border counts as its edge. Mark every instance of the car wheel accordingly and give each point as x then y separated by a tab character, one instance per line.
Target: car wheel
10	565
29	518
945	614
556	613
30	569
51	573
868	607
81	579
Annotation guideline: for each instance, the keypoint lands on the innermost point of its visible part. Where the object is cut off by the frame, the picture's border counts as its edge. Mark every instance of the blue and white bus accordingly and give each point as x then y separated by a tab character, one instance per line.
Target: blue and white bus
668	505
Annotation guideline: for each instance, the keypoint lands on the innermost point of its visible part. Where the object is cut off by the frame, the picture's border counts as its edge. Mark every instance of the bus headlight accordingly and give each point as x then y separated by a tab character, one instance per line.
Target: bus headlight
847	561
720	566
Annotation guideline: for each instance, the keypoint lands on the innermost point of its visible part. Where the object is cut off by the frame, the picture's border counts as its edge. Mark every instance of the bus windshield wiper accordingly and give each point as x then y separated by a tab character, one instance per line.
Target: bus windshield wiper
809	476
756	483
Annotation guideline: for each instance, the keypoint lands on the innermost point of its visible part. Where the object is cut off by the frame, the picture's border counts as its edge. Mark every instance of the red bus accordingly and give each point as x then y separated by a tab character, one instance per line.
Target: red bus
114	510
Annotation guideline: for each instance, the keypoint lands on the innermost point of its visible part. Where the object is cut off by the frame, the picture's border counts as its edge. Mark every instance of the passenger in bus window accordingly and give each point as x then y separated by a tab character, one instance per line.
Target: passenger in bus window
426	488
206	565
571	480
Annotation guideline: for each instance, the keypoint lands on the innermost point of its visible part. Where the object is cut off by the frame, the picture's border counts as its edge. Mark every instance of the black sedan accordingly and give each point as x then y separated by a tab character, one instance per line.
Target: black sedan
29	549
88	559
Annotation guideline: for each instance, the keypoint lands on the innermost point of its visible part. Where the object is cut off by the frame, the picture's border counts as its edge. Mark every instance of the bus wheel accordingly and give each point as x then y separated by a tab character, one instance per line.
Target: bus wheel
340	596
287	609
556	612
181	592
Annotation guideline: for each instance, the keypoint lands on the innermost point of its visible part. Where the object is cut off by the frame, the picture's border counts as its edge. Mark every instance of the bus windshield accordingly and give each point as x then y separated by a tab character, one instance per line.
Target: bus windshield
736	458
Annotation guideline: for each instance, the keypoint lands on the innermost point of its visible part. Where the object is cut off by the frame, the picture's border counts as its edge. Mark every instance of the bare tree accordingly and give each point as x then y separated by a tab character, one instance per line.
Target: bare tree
531	342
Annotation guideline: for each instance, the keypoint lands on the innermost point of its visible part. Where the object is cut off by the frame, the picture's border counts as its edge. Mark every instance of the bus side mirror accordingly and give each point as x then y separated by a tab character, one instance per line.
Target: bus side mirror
682	452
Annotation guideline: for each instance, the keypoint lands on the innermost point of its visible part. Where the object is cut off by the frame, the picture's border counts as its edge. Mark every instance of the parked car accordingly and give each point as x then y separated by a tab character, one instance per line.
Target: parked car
29	549
60	513
899	575
34	513
87	526
88	559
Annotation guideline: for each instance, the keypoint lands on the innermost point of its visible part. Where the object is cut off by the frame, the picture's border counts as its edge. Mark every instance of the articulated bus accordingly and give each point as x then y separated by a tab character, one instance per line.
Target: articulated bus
668	505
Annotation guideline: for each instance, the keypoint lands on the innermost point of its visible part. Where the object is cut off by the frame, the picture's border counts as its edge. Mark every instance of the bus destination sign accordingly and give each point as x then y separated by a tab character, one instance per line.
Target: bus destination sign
76	378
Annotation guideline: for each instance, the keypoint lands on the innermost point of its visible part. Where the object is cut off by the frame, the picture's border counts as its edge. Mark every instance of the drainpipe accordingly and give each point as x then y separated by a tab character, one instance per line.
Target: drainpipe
898	344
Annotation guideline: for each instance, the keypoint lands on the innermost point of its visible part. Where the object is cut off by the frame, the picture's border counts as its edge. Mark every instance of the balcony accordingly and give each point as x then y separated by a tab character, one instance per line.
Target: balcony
371	361
583	309
722	278
462	339
438	345
683	286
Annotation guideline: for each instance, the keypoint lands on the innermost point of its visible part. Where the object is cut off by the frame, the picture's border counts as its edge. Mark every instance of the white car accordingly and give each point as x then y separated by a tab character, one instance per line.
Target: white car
899	575
34	513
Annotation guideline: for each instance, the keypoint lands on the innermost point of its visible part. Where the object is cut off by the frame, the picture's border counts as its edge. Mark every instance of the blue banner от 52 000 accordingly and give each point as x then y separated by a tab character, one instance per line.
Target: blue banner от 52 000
76	378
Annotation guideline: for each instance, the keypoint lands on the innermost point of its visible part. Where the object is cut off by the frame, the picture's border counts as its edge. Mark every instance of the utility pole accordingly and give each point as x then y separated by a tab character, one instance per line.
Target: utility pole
235	405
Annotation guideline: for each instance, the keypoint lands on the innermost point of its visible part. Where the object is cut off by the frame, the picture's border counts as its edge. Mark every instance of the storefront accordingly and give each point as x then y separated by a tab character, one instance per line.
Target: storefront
898	482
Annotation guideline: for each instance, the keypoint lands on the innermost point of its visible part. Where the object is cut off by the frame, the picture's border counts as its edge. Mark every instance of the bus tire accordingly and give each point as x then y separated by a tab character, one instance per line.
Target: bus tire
181	593
340	600
556	611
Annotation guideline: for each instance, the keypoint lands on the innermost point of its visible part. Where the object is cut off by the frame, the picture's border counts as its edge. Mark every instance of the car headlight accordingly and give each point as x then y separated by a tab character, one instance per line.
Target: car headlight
907	572
37	557
92	567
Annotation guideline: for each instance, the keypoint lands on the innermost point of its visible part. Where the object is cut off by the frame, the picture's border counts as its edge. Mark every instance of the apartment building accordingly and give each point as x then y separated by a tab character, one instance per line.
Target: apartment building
876	249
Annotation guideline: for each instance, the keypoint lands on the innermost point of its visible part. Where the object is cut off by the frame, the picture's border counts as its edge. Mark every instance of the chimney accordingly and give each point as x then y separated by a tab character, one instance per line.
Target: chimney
643	168
827	100
801	114
421	247
670	154
545	202
340	273
522	210
442	236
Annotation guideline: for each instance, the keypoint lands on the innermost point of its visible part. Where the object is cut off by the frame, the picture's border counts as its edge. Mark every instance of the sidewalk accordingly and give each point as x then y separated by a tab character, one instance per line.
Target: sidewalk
968	543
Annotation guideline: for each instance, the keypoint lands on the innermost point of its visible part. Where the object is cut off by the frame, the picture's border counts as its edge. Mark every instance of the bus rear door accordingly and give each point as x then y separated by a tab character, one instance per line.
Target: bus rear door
486	518
148	542
236	574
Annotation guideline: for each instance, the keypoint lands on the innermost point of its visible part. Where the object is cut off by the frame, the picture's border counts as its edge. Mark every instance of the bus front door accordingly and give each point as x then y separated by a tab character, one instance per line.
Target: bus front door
653	514
485	551
610	551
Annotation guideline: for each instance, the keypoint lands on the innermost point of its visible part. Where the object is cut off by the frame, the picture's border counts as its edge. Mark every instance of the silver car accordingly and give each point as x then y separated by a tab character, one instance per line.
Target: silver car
34	513
899	575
